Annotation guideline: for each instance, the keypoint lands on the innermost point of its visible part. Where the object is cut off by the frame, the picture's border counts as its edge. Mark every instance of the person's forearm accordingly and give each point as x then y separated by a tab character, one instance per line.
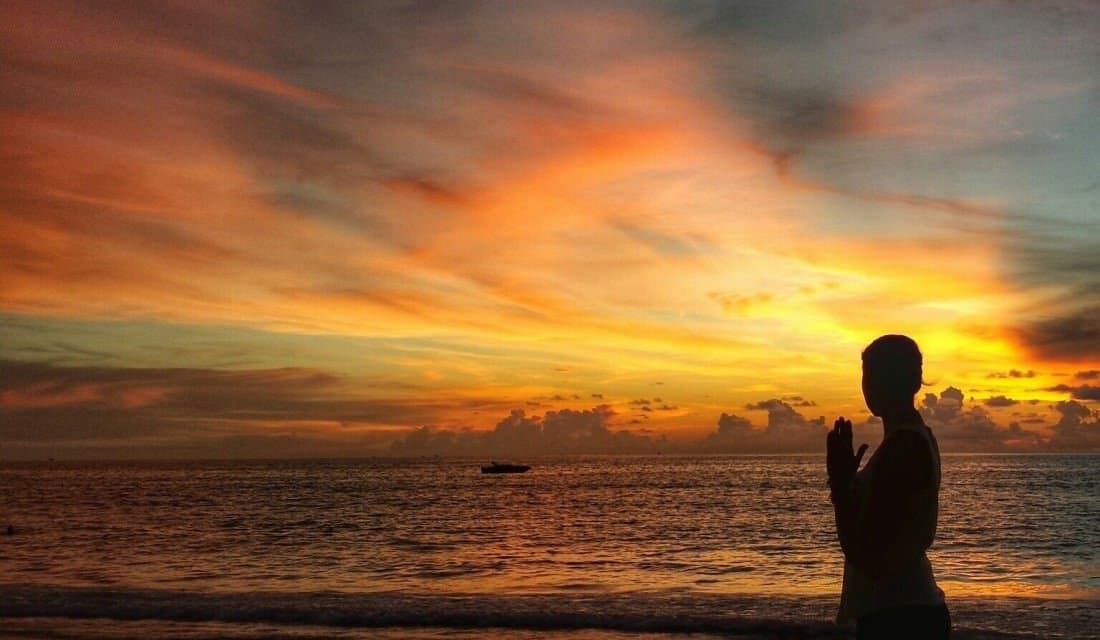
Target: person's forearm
844	511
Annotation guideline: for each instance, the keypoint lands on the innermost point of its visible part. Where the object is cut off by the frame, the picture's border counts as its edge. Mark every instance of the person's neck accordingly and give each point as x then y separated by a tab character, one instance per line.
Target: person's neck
894	419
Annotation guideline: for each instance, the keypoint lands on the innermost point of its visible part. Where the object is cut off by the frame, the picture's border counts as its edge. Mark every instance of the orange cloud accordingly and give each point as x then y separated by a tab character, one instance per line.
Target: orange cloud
646	204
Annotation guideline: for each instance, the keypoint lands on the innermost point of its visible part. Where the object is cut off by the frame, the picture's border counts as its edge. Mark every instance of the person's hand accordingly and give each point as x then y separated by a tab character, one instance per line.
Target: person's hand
840	461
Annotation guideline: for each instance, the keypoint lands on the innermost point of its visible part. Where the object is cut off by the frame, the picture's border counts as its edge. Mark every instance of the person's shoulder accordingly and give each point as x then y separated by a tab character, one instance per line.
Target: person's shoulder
906	453
904	439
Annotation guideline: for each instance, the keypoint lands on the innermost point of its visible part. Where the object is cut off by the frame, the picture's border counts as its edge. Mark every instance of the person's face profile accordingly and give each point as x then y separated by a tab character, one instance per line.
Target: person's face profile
869	395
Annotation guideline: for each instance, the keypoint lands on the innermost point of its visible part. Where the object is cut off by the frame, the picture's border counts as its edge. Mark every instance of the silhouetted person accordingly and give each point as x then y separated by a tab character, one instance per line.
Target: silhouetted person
886	513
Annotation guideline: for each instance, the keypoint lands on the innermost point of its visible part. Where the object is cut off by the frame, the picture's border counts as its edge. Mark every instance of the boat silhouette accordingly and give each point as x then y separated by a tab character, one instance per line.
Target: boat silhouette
497	467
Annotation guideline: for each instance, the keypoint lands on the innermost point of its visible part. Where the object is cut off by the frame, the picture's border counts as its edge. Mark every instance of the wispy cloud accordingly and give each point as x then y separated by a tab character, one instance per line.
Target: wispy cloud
45	407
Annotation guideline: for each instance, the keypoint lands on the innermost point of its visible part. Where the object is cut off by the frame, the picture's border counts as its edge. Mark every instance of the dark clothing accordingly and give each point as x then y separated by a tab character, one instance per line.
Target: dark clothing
886	521
911	622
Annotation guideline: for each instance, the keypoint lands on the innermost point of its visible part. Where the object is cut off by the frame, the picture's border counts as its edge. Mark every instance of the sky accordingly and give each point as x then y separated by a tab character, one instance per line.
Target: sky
313	229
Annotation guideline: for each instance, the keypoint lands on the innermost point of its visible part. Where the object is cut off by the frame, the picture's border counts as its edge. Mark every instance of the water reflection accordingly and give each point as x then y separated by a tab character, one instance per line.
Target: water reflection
1009	525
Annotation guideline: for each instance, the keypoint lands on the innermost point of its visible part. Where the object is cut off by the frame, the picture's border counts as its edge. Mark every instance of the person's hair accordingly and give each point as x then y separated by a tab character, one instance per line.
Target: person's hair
894	363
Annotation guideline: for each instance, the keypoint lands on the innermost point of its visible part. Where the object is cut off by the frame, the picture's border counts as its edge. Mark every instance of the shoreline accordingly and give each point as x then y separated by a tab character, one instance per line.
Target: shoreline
82	611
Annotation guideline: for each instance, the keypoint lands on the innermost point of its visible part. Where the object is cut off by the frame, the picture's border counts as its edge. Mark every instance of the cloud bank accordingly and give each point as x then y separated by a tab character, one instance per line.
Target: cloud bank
587	431
102	412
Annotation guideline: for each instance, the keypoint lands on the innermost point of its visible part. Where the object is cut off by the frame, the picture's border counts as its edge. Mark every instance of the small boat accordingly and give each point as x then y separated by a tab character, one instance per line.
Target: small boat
497	467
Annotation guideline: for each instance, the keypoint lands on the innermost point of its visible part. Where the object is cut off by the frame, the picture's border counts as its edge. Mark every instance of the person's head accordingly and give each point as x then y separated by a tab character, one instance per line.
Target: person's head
892	370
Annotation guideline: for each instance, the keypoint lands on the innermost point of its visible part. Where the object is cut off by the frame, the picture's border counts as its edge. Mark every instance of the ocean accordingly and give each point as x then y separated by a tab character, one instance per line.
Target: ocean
587	548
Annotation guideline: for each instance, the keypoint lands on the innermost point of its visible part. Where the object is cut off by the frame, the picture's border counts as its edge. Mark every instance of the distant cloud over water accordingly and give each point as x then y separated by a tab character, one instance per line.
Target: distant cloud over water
104	412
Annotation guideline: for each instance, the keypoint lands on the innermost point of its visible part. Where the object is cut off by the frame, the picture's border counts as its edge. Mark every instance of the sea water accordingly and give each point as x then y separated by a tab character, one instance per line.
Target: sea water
578	547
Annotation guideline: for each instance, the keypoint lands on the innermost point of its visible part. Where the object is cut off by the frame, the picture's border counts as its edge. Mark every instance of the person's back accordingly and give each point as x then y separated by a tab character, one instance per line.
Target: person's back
886	514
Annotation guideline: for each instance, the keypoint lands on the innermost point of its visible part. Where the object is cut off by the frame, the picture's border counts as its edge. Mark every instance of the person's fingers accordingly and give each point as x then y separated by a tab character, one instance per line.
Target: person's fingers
845	430
859	455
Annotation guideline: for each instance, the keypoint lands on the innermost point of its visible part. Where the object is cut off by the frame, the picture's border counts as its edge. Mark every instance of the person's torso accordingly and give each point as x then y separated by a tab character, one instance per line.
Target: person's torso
916	583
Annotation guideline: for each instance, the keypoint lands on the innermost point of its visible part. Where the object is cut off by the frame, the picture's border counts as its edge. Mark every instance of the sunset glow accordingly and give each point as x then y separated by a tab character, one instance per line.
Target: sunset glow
258	231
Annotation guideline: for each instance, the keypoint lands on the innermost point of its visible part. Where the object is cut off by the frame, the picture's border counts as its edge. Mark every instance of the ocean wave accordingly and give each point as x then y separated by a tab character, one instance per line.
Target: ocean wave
668	613
554	612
